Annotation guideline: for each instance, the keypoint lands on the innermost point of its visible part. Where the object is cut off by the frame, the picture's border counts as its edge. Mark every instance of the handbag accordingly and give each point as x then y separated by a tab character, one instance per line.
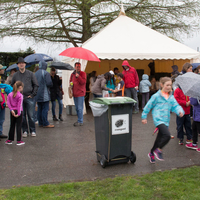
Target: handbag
70	92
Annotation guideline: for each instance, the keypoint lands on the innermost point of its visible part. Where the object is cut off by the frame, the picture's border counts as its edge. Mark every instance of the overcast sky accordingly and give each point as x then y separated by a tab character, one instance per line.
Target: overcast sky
14	44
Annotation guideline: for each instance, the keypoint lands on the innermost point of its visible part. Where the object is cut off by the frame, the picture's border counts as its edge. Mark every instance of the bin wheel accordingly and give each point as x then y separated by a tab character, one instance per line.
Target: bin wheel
132	157
103	161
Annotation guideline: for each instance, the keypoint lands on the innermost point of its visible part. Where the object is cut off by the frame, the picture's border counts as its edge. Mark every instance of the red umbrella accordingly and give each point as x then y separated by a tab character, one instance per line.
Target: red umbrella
81	53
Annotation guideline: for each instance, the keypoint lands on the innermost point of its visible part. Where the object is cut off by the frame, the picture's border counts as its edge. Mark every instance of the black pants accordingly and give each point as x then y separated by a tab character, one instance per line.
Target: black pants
162	138
186	123
13	121
195	131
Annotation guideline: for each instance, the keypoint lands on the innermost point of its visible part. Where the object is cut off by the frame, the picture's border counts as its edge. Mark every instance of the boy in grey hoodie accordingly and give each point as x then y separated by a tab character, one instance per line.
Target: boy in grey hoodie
144	89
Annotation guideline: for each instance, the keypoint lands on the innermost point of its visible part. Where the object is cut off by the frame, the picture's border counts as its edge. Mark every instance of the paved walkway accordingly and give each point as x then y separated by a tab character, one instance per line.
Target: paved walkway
67	153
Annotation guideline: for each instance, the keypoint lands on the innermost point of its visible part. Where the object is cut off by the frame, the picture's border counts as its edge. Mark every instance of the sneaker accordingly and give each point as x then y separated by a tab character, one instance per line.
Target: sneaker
36	122
180	142
24	135
198	150
158	154
8	142
189	141
172	137
78	124
20	143
191	146
135	112
152	159
33	134
155	131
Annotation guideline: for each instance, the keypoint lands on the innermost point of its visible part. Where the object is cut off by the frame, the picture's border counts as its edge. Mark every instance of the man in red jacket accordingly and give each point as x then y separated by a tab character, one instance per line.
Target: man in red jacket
131	81
78	78
185	121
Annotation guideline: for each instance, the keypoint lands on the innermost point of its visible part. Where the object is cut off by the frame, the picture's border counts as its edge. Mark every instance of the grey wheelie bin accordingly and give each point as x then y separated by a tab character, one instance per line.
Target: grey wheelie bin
113	129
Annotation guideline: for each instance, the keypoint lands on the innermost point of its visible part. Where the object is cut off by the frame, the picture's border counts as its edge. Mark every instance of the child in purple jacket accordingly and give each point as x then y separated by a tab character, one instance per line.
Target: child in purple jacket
14	102
195	124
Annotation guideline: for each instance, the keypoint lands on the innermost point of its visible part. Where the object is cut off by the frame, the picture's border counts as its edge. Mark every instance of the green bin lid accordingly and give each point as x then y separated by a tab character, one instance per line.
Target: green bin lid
114	100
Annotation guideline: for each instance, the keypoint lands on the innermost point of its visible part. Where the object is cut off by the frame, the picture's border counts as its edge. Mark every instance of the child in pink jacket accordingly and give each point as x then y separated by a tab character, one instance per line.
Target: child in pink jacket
14	102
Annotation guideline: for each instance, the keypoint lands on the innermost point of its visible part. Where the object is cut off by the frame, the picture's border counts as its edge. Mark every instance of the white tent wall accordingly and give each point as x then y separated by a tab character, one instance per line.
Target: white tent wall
66	78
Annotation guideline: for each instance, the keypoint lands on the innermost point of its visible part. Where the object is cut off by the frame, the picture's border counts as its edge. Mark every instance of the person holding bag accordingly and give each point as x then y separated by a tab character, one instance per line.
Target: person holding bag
78	79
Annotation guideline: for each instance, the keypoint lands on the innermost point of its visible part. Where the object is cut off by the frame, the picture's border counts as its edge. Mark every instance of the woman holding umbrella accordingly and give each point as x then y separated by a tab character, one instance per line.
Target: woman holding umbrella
56	94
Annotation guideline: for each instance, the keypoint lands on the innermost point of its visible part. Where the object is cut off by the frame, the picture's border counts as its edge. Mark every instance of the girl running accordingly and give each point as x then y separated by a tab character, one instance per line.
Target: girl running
161	103
14	101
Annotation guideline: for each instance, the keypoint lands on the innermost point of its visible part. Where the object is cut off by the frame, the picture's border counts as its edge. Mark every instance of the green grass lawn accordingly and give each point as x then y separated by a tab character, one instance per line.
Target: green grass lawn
175	184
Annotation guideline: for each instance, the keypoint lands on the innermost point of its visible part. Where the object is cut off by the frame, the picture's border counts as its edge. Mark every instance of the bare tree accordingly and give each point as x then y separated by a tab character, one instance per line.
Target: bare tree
74	21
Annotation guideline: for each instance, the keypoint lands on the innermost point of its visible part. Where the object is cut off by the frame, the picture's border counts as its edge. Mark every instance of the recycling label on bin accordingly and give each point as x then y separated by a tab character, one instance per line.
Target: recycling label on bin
120	124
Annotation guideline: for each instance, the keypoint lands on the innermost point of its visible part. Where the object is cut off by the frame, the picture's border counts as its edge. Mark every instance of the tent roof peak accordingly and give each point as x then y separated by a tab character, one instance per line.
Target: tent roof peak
122	12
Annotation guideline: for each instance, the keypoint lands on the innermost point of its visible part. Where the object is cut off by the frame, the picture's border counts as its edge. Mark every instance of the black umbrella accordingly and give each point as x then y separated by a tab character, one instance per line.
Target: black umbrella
61	66
15	66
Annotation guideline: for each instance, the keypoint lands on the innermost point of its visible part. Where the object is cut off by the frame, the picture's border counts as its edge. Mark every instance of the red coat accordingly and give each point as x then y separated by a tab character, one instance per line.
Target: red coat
79	84
131	79
182	99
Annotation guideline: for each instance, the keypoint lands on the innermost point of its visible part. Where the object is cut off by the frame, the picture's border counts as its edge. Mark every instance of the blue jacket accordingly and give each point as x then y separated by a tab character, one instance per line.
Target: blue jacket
44	81
144	84
161	108
110	86
196	109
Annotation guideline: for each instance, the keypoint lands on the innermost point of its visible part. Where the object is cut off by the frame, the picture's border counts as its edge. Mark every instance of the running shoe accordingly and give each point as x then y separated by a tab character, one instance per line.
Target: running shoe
155	131
33	134
8	142
20	143
180	142
189	141
158	154
198	150
24	135
191	146
152	159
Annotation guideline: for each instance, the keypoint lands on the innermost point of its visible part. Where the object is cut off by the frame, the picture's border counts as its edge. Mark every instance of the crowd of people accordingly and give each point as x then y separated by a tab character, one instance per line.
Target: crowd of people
43	87
27	95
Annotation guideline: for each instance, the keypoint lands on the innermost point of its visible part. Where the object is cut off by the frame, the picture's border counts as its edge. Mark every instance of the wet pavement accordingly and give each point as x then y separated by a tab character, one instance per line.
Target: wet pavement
67	153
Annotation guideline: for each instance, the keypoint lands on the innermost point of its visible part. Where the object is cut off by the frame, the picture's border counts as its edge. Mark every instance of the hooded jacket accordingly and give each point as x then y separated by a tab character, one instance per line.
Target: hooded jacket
131	79
144	84
55	90
161	108
196	109
99	85
44	81
182	100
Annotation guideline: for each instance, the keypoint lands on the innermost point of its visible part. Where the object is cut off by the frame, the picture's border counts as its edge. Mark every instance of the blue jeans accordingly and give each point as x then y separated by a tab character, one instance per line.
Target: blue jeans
2	119
42	114
132	93
78	101
186	122
54	106
35	112
28	110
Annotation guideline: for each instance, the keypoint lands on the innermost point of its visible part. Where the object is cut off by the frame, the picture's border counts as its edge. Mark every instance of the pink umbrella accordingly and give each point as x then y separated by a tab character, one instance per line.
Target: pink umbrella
81	53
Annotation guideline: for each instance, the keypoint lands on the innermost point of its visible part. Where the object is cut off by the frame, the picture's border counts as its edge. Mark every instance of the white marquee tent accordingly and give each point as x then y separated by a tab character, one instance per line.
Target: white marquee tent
125	38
